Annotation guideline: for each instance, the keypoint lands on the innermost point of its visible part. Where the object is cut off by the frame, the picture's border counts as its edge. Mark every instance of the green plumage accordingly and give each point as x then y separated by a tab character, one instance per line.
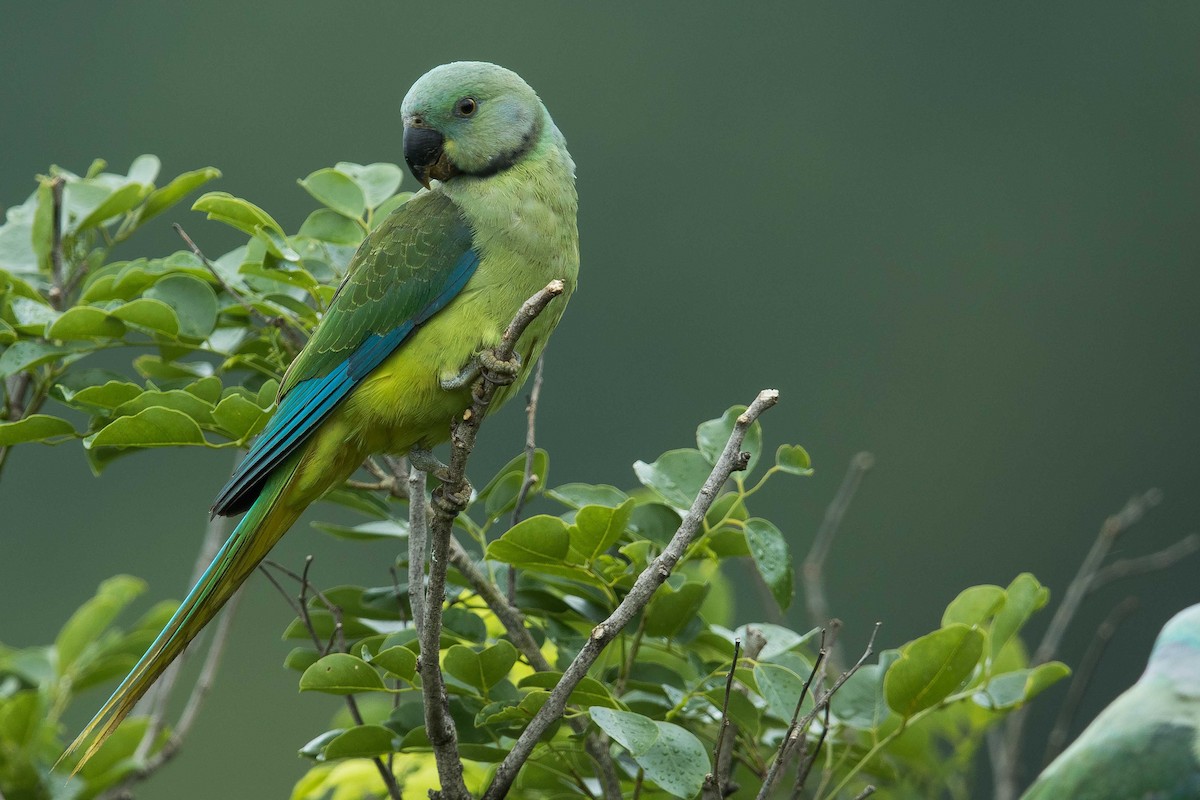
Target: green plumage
507	206
1146	744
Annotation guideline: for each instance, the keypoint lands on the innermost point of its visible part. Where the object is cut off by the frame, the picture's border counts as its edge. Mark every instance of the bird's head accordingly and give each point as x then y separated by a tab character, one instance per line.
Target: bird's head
469	118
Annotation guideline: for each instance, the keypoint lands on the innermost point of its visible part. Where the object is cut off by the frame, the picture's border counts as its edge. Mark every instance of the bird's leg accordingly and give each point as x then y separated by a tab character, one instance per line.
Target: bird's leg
465	378
428	463
499	372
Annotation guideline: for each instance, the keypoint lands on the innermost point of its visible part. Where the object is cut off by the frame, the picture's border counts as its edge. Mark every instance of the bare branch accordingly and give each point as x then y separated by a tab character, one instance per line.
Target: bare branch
715	781
449	499
58	294
732	458
529	480
865	793
1163	559
1004	743
418	522
815	597
1083	676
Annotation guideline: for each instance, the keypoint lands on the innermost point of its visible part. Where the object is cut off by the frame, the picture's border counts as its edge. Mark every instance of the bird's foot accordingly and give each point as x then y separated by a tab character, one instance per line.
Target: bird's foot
451	500
497	371
463	379
428	463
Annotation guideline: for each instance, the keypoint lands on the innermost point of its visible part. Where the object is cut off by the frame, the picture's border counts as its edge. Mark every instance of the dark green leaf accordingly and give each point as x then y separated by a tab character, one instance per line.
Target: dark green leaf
538	540
193	301
150	315
362	741
85	322
327	225
712	436
670	610
25	355
793	459
337	191
578	495
118	202
671	756
399	661
34	428
180	187
596	529
154	427
932	667
239	418
676	476
340	673
771	557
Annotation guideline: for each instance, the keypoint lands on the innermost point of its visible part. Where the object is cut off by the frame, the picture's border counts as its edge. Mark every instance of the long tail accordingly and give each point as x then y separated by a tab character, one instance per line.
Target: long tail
262	526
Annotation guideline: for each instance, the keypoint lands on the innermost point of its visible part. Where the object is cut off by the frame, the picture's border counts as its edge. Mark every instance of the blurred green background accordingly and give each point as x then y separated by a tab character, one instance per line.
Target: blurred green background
961	236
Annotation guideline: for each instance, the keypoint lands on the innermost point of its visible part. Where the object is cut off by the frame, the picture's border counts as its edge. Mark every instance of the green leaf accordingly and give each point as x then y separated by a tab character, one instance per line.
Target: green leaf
860	703
108	395
1014	689
596	529
670	610
144	169
931	667
301	658
327	225
499	496
589	692
239	417
362	741
85	322
399	661
26	354
677	476
481	670
120	201
794	460
378	181
180	187
341	673
712	436
337	191
8	333
154	427
389	206
34	428
974	605
578	495
771	557
671	756
92	619
150	315
236	212
781	687
193	301
538	540
1024	596
175	399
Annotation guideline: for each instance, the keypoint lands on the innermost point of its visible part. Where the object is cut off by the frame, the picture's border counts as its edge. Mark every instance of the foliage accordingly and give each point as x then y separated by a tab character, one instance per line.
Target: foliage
209	342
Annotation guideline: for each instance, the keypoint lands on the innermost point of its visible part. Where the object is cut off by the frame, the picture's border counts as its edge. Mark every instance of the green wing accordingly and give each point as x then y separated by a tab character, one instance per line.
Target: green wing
406	271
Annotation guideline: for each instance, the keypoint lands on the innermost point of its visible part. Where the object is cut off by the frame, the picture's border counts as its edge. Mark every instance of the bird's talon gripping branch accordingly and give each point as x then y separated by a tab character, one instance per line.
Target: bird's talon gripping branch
498	371
428	463
466	377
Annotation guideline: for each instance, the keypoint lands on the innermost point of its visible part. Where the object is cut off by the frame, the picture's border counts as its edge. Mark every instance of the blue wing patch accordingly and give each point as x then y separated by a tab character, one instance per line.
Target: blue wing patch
307	405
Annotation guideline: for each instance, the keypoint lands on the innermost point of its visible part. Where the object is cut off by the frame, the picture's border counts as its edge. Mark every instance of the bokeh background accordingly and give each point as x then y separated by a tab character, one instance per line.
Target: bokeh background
961	236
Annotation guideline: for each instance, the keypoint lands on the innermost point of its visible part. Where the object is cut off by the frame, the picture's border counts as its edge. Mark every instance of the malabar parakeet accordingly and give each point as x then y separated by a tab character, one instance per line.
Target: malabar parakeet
426	296
1146	744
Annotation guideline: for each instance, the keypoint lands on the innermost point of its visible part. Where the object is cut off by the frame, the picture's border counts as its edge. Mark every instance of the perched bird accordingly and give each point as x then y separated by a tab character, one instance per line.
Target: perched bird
1146	744
425	298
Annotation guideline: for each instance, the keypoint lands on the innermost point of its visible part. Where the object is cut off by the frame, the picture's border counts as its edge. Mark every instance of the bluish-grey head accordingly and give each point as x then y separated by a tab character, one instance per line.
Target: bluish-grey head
1176	653
469	118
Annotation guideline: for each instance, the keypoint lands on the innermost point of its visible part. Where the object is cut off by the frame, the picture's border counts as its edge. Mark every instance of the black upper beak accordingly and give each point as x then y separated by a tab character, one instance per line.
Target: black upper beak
424	154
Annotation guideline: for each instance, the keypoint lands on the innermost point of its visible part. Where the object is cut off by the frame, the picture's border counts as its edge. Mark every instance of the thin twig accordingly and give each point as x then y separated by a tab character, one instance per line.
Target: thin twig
813	570
300	606
865	793
1083	676
449	499
1005	742
732	458
528	480
807	761
794	732
1160	560
58	294
418	520
715	781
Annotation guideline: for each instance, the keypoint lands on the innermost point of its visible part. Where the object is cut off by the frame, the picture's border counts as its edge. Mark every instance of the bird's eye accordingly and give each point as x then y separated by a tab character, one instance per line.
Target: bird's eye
465	107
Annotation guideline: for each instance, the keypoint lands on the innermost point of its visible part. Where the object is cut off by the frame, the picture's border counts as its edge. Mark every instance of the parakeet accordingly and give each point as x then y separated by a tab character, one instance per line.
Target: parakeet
389	367
1146	744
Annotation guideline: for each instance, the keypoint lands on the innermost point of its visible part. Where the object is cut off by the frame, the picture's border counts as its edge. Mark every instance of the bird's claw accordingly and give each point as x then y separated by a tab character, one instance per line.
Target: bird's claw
469	375
428	463
452	501
497	371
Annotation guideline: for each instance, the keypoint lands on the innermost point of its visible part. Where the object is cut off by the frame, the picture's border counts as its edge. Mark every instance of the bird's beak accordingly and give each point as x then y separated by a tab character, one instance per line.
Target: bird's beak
425	155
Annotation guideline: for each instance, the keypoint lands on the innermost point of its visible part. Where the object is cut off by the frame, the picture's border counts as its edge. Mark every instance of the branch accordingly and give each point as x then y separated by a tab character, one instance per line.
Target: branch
1160	560
529	480
715	781
1004	743
1083	676
418	521
449	499
57	291
814	563
732	458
